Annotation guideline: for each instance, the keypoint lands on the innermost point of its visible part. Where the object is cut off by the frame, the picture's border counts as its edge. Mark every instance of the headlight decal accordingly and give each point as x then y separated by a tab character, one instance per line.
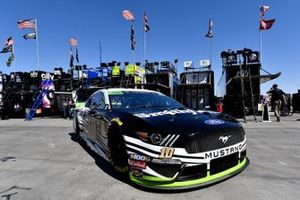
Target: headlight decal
142	135
157	139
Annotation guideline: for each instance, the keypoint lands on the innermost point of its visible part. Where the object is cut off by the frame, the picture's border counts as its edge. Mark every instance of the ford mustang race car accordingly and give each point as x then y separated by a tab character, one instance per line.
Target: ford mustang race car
160	143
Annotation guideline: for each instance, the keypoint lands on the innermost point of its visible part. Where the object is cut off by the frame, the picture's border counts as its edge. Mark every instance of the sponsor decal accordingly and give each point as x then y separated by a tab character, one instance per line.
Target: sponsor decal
214	122
165	112
47	76
224	139
156	138
137	173
119	122
166	153
137	164
223	152
139	157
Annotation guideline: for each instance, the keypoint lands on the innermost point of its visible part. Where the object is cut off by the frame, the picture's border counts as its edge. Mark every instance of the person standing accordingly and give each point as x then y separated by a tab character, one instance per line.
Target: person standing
70	105
277	96
220	106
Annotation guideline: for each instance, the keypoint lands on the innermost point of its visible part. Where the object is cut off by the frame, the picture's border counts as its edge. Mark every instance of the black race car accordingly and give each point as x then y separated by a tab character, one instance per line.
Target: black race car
159	142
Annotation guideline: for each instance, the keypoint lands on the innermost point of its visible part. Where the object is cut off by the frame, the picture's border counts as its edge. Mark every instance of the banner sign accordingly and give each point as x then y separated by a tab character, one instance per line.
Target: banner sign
188	64
204	63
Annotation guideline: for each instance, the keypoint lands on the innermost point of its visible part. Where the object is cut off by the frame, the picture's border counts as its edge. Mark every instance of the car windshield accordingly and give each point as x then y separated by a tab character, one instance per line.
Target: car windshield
141	99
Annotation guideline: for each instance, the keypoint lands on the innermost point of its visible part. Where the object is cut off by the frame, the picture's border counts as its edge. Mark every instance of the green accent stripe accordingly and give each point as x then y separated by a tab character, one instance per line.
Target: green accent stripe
153	178
80	104
115	92
161	183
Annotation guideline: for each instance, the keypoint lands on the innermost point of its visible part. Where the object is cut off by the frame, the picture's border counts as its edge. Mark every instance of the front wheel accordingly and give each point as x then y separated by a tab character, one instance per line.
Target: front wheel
117	151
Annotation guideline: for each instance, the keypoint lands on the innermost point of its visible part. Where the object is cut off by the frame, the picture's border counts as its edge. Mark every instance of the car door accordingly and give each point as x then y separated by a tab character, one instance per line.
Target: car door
98	120
96	110
84	114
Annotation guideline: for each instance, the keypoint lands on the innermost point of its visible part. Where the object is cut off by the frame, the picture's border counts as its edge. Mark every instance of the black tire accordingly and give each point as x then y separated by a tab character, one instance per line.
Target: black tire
117	151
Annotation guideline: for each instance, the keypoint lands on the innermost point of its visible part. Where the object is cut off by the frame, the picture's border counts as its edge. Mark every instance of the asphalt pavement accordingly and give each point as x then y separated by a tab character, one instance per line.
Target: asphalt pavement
42	160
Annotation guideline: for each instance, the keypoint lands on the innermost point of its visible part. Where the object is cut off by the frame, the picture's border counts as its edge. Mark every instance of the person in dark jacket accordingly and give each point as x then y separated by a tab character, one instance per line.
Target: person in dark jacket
70	105
277	96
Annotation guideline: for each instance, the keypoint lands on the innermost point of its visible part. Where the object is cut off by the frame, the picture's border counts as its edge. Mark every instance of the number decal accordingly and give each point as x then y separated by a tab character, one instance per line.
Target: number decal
166	153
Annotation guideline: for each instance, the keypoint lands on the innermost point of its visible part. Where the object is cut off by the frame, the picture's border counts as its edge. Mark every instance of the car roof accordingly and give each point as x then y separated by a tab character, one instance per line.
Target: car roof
130	90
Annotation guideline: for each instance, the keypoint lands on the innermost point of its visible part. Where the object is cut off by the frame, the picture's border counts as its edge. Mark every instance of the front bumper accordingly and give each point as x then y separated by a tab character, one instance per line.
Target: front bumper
157	183
183	170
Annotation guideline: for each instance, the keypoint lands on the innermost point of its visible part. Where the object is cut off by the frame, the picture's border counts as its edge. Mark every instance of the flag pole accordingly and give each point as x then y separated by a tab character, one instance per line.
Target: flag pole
145	41
145	45
37	45
13	52
260	45
260	36
133	53
100	52
210	52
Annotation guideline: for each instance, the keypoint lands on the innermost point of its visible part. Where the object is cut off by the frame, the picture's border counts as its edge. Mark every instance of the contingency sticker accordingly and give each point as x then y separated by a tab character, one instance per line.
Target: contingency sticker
119	122
139	157
137	173
137	164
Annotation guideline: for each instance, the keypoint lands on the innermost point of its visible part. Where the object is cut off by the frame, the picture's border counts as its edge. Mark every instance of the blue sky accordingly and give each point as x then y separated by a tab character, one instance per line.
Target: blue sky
177	32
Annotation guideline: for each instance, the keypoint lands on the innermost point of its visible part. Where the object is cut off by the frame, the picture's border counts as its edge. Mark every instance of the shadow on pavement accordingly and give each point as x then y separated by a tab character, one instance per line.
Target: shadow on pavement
8	196
100	162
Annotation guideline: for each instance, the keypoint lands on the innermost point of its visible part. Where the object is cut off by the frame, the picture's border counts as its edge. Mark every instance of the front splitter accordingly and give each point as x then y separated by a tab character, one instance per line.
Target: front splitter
181	185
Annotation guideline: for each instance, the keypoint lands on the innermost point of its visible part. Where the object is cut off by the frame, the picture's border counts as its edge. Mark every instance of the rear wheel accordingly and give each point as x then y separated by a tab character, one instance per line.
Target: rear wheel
117	154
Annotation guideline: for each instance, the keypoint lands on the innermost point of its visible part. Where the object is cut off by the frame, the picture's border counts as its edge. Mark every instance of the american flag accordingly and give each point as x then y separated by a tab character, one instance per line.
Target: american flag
266	24
26	23
264	9
128	15
73	42
146	26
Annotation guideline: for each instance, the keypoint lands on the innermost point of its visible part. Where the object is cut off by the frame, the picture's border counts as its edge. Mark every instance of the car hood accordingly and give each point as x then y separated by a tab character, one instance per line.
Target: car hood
179	121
